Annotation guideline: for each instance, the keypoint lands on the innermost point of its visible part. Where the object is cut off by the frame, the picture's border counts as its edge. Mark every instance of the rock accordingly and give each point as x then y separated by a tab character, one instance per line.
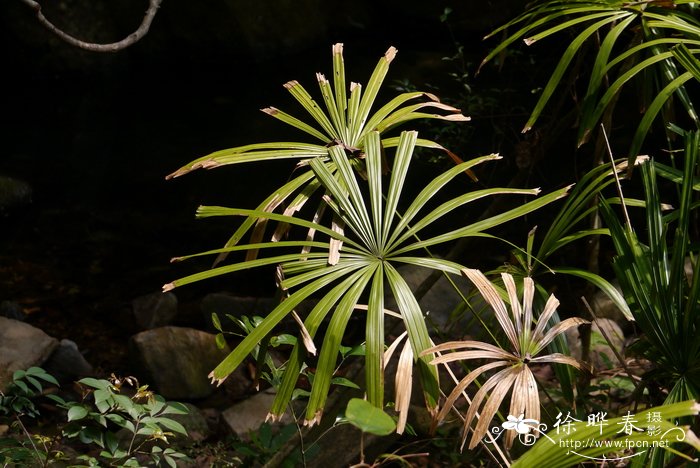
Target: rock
177	360
67	364
248	415
12	310
601	356
21	346
239	384
154	310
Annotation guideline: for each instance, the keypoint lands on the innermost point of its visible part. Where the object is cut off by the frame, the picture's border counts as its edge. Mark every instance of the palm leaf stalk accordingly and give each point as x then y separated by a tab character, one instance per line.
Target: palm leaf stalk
637	38
527	337
365	255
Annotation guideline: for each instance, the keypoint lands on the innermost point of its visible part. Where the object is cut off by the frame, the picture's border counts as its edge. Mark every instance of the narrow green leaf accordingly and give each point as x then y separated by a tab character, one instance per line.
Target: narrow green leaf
564	62
374	337
373	158
296	123
341	99
348	179
353	110
479	226
343	382
340	202
305	99
402	160
365	104
431	189
222	270
534	25
331	106
603	284
241	352
451	205
609	15
654	108
548	450
256	246
207	211
418	335
312	323
687	59
391	106
330	347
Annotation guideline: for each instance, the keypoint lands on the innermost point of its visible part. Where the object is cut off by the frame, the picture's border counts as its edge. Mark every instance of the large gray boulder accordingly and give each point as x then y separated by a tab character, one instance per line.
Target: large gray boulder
247	415
177	360
22	346
154	310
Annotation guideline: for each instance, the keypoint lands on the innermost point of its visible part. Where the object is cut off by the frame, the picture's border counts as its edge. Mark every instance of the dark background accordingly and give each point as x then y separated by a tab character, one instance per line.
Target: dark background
94	134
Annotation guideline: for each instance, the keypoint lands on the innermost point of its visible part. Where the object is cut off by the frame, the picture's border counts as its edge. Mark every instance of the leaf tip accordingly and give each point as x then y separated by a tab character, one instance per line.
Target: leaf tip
458	118
290	84
390	54
315	420
179	172
168	287
216	380
270	110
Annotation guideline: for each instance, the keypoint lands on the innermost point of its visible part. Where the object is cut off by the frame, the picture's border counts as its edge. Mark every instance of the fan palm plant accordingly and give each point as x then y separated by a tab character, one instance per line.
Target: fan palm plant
347	121
528	337
634	41
664	299
356	262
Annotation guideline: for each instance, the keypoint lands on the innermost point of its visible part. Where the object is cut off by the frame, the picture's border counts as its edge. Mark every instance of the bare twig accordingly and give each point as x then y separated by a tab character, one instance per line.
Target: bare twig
131	39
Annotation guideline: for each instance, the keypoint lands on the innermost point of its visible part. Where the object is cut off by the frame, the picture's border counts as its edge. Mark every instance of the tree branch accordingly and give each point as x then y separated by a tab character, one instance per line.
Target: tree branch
131	39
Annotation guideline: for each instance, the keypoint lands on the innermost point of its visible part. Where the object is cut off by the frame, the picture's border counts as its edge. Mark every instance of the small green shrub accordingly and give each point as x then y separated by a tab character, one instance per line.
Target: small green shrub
115	427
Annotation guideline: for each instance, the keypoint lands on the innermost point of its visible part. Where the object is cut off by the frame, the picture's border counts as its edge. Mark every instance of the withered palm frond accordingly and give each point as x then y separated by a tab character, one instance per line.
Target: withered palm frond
527	338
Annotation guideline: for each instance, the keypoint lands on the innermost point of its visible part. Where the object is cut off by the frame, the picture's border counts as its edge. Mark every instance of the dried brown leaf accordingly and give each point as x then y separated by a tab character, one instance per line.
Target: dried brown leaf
557	329
404	375
515	308
467	355
464	383
489	293
500	383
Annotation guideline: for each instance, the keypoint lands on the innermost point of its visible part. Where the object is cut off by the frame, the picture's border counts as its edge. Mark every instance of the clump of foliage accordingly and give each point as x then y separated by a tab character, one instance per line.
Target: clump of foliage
357	239
113	426
642	45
